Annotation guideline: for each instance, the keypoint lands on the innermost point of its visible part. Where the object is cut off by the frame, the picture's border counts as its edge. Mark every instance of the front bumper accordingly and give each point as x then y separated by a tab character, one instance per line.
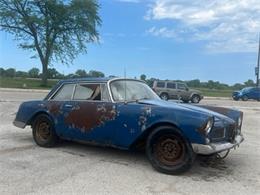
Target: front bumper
217	147
19	124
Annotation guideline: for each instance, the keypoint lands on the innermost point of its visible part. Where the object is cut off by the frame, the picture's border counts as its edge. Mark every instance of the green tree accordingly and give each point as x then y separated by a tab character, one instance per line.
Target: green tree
94	73
34	73
53	29
2	72
10	72
194	83
52	73
143	77
81	73
21	74
249	83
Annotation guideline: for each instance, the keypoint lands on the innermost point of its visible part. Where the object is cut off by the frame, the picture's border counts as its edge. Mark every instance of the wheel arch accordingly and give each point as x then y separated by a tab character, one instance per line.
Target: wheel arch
140	142
36	114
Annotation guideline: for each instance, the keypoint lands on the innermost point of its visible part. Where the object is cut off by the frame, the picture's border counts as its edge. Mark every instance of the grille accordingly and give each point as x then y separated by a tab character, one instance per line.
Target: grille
217	134
231	132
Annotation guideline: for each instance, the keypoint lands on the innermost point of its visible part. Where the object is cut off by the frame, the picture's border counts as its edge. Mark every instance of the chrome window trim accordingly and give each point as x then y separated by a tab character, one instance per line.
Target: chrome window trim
74	89
107	83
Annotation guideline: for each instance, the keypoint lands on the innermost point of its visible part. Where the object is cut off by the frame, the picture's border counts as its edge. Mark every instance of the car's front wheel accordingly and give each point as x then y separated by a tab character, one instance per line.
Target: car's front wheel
168	151
164	96
195	99
44	133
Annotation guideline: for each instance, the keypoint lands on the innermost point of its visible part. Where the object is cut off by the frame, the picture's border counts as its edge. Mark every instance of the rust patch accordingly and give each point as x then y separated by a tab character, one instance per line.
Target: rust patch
146	112
54	108
86	116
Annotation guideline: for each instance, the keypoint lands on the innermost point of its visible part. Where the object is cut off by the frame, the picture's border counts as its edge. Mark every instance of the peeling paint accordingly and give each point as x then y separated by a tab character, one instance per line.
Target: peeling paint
87	116
146	113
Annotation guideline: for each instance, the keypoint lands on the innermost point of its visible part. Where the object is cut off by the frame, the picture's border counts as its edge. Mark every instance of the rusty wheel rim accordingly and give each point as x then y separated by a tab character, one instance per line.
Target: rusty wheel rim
169	150
43	131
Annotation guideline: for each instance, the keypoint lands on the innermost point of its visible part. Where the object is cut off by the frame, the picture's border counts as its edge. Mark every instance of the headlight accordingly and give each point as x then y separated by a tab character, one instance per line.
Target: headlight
239	121
209	125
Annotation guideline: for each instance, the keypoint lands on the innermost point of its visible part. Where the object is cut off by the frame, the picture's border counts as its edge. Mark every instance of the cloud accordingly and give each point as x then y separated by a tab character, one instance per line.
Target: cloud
162	32
225	25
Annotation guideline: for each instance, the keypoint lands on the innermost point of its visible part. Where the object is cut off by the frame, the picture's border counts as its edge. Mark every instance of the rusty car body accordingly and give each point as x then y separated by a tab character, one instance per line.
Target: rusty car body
127	114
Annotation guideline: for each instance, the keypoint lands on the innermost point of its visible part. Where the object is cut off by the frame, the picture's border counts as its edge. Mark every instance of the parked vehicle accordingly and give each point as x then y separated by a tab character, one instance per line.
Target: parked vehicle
127	114
176	90
247	93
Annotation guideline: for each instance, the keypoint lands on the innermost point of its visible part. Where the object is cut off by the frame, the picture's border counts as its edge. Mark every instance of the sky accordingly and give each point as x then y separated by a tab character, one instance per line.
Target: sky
165	39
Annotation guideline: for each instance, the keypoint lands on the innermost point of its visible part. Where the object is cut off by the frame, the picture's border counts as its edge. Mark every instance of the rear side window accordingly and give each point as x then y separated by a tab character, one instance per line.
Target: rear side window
65	93
161	84
181	86
97	92
87	92
171	85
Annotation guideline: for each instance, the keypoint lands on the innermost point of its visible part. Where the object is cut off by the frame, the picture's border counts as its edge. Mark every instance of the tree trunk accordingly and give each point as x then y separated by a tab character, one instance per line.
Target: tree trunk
44	74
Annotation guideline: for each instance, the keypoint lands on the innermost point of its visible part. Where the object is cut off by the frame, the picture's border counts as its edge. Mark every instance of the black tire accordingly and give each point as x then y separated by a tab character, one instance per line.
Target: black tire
44	133
168	151
236	99
164	96
195	99
244	98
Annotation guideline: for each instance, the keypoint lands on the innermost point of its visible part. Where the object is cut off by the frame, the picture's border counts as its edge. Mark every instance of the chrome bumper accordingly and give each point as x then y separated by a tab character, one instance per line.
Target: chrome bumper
217	147
19	124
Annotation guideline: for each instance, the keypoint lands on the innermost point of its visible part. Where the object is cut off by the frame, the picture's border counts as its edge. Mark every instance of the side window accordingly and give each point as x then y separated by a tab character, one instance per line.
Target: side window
171	85
65	93
104	93
87	92
181	86
161	84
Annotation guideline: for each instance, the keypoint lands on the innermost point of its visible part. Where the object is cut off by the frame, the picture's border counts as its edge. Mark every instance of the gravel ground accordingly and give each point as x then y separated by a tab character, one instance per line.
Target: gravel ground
73	168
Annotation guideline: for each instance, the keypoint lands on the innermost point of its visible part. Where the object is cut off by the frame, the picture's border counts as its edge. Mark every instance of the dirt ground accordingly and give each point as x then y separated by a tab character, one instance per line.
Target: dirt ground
73	168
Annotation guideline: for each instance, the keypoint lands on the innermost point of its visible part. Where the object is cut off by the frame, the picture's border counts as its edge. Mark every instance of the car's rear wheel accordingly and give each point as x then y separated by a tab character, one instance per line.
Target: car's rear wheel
44	133
244	98
195	99
164	96
168	151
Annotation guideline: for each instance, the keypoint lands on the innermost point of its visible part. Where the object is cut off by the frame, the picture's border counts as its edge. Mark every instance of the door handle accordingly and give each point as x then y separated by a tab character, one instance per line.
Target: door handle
68	106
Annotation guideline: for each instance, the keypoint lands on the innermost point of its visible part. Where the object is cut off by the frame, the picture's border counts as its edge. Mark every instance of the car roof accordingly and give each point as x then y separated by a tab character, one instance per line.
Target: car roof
88	79
82	80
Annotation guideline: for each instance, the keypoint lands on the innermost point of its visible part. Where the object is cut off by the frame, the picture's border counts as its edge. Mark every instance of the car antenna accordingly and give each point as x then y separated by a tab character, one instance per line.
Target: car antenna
125	84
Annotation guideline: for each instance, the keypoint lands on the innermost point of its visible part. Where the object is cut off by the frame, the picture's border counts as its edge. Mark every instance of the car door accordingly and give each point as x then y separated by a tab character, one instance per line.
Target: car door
254	93
88	115
182	91
171	88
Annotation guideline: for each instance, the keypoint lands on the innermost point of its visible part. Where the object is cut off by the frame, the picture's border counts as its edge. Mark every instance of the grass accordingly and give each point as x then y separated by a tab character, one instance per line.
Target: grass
216	92
27	83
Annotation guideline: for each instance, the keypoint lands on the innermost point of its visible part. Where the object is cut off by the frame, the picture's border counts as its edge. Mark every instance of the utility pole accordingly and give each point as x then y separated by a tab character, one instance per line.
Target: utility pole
257	67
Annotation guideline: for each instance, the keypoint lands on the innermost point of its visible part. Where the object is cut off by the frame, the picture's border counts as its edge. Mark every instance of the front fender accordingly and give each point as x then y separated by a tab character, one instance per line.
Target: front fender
188	122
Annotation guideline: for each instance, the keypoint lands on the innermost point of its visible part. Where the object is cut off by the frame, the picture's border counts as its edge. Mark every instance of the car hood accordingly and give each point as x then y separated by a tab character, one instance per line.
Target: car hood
174	105
195	91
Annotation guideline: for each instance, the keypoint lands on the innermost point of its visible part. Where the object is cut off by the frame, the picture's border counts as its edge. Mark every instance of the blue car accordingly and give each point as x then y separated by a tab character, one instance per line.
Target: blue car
127	114
247	93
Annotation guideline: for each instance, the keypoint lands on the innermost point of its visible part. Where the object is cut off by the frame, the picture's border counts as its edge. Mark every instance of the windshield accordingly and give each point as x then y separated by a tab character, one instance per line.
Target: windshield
131	90
246	89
